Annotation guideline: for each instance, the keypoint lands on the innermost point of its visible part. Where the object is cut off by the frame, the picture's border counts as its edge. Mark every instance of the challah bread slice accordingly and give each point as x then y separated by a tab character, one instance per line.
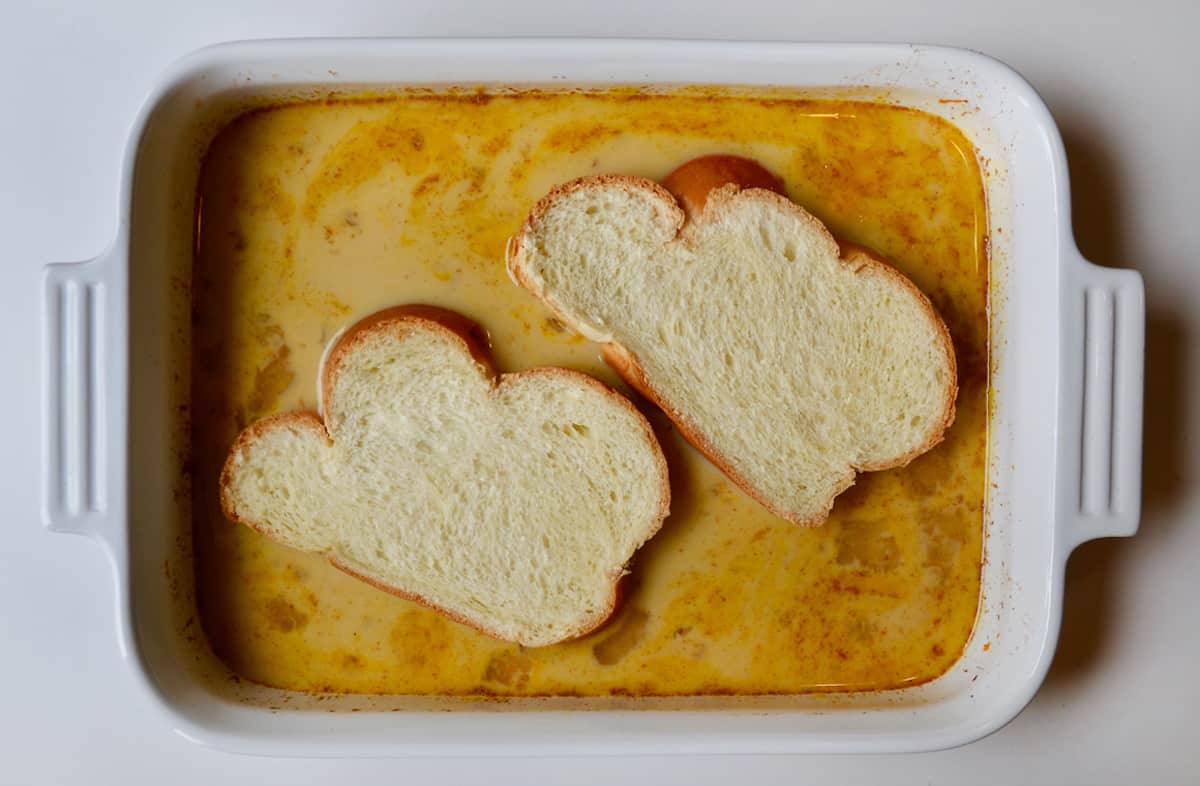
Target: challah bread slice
791	364
510	503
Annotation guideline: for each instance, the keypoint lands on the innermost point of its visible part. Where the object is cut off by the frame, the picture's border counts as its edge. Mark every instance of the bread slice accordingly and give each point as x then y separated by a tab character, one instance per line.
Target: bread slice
510	503
791	364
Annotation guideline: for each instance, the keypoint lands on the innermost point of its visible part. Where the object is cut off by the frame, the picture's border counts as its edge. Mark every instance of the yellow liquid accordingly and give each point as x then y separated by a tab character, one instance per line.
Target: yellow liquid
315	214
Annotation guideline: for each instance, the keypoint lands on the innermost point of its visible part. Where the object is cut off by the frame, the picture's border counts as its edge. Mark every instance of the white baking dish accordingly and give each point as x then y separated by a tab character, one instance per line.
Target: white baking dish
1065	435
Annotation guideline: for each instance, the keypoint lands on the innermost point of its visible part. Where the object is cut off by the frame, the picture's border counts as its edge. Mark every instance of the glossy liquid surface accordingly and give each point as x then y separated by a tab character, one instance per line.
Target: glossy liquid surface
312	215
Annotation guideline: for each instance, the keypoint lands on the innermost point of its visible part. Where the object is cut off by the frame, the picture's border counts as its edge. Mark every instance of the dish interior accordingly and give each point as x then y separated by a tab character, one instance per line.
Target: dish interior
313	214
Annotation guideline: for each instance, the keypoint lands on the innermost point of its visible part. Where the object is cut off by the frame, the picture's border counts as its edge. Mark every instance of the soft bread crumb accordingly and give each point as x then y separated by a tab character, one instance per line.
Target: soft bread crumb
511	503
789	365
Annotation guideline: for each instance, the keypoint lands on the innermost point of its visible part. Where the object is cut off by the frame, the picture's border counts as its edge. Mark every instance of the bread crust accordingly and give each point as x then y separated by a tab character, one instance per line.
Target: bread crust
703	188
473	339
692	181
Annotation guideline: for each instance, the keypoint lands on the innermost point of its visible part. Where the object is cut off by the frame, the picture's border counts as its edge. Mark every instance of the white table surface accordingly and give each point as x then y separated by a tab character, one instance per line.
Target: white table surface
1122	702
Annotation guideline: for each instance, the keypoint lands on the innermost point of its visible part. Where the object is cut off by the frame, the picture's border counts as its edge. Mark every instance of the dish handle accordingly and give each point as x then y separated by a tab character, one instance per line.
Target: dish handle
81	350
1100	439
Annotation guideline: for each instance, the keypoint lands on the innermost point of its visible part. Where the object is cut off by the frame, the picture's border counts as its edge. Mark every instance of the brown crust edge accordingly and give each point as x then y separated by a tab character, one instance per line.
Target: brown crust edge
474	341
693	181
627	366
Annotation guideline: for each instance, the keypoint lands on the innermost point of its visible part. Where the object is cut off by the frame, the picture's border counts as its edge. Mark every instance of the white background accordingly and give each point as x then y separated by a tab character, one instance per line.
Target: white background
1122	703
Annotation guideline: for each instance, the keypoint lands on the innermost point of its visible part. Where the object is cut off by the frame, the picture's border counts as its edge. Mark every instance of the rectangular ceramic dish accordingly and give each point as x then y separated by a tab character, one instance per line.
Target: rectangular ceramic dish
1064	436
